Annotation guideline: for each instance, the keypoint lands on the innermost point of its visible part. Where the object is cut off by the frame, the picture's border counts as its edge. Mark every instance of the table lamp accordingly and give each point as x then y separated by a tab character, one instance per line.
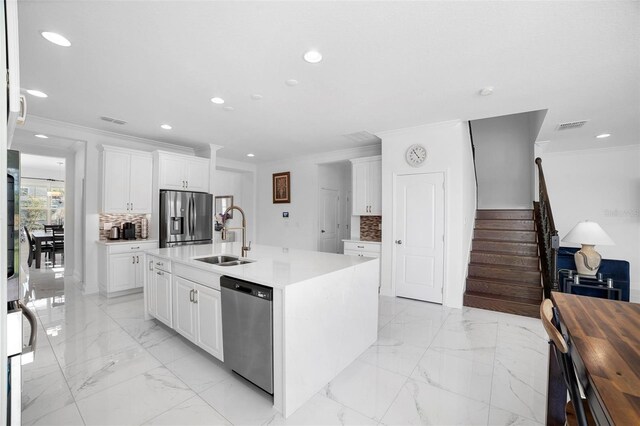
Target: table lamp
588	234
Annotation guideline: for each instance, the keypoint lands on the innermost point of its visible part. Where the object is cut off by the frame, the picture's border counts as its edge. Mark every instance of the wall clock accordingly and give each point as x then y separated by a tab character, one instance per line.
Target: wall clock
416	154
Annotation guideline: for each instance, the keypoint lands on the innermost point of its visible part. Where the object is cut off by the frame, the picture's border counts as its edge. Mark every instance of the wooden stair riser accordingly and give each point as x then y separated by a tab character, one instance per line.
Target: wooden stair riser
517	308
501	235
524	249
526	225
526	262
504	214
517	275
515	291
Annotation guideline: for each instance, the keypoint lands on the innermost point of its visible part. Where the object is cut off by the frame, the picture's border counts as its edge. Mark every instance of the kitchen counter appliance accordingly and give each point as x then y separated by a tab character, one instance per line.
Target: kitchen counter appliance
114	233
247	330
128	231
185	218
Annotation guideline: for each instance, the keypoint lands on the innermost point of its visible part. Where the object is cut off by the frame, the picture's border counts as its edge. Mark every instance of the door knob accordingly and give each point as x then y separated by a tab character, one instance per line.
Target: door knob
322	230
398	242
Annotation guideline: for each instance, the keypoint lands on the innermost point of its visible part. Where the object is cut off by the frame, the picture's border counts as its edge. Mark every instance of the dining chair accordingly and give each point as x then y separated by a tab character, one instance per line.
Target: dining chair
50	228
577	409
58	243
32	246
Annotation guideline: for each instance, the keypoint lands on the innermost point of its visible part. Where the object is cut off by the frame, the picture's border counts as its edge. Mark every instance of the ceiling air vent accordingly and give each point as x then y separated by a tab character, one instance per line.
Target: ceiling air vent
363	136
113	120
571	125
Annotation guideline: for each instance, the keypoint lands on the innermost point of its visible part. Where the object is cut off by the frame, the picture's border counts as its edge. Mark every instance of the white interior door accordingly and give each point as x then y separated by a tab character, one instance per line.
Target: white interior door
328	221
419	236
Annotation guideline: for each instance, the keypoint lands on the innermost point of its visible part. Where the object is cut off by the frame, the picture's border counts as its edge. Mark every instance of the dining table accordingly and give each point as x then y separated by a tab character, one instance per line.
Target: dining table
41	237
604	341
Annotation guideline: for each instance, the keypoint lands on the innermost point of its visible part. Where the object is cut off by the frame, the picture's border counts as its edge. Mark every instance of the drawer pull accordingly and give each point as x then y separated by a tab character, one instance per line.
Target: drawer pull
159	263
135	248
360	246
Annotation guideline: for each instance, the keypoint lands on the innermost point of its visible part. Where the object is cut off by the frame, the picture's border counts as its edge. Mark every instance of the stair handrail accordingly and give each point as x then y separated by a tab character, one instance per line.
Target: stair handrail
548	240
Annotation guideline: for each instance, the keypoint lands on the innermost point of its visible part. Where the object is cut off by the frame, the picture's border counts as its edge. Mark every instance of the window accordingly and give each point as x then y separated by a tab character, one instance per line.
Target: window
41	202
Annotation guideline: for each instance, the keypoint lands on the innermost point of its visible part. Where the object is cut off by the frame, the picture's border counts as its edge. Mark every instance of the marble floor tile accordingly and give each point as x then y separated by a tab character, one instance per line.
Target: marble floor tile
146	332
171	349
91	376
132	308
422	404
193	412
43	392
384	320
419	332
199	370
392	356
82	348
240	402
520	391
500	417
458	375
467	338
365	388
321	410
523	347
65	416
135	401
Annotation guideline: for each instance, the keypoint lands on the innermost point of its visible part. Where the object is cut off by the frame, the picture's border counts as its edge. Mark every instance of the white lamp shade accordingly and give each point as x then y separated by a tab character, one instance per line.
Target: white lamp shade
588	233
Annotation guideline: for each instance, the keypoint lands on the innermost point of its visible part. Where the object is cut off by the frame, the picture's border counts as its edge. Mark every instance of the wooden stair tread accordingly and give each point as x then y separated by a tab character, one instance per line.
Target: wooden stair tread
501	253
489	240
501	297
502	304
503	282
504	267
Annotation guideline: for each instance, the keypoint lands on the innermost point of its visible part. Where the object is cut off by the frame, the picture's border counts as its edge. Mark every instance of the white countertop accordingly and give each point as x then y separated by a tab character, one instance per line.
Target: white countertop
275	267
362	241
136	241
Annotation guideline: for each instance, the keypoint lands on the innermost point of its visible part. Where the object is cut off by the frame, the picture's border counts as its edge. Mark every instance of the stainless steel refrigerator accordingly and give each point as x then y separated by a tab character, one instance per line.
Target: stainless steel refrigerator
185	218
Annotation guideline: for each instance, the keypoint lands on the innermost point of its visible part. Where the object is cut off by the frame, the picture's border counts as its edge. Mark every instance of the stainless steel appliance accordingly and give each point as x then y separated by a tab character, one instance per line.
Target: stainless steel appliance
114	233
128	231
247	330
17	353
185	218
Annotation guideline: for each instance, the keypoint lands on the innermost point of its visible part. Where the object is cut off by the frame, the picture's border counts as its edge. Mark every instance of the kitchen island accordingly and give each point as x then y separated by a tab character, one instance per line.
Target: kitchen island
325	308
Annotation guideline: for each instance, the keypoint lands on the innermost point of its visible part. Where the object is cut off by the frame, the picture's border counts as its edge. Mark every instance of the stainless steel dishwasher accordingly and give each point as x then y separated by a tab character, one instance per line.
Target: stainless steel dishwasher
247	330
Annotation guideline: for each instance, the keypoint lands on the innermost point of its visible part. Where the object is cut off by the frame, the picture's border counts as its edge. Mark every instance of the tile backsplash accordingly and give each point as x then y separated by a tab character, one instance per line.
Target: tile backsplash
119	219
370	228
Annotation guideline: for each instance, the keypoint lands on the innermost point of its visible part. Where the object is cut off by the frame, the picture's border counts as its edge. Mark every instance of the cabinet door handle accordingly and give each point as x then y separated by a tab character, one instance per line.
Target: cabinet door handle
133	259
137	259
131	206
160	273
135	248
188	188
151	265
360	246
195	296
159	263
191	295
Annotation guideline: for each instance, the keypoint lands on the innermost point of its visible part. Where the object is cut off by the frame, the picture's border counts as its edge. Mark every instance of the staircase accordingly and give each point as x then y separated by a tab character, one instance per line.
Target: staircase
504	271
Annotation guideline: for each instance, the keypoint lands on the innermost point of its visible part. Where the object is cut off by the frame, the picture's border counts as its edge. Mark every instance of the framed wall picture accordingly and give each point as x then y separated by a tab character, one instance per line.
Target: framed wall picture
281	187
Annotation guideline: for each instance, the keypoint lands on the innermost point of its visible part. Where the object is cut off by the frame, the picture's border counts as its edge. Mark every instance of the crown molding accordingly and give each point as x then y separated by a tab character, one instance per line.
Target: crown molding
34	123
633	147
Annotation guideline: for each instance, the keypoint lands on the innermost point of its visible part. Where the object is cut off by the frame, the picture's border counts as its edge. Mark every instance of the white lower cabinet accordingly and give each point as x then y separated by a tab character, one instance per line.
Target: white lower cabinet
363	249
190	308
121	266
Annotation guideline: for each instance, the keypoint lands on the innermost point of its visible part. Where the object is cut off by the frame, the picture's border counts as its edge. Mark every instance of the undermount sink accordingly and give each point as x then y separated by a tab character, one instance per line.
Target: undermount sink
224	260
216	260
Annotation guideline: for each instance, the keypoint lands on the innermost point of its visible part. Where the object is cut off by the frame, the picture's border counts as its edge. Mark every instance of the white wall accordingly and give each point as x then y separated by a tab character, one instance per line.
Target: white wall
504	150
42	167
300	229
449	151
602	186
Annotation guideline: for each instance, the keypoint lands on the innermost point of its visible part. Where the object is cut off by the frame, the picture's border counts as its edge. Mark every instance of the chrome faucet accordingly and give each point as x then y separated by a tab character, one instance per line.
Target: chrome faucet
245	248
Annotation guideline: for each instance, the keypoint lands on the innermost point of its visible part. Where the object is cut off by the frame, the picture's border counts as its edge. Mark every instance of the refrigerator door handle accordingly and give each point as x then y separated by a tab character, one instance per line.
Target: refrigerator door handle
28	352
192	219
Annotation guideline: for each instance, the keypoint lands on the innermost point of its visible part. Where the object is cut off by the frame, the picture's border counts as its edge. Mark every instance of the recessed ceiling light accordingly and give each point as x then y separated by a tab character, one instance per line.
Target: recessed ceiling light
41	136
166	127
256	97
486	91
56	38
228	108
313	56
37	93
250	155
291	82
217	100
603	135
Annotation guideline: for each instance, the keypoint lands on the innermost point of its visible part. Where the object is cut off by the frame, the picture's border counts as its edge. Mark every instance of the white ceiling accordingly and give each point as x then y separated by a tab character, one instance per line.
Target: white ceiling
386	65
38	166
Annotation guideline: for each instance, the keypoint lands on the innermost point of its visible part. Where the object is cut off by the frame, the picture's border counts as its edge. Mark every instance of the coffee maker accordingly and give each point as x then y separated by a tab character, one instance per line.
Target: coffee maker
128	231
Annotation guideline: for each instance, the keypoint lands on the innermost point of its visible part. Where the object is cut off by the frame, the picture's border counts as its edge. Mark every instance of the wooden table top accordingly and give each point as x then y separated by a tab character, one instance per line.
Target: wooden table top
39	233
606	335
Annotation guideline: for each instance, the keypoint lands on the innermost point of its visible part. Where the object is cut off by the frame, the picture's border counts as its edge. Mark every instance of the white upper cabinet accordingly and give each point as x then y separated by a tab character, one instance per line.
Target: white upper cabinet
182	172
126	181
367	186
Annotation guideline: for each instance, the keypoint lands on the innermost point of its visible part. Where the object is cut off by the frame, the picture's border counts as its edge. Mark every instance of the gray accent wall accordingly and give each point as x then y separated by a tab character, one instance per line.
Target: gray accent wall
504	159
